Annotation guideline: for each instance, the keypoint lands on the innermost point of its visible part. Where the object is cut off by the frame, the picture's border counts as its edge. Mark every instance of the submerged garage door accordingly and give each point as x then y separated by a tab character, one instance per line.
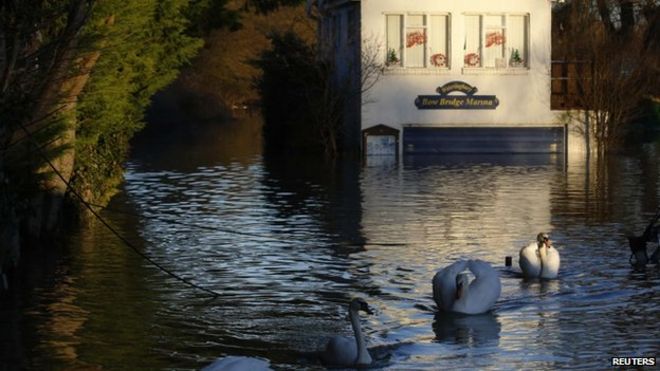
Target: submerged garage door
417	140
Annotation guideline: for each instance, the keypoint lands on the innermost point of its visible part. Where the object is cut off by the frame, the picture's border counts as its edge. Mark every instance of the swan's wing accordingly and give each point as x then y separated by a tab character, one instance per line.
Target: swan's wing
235	363
482	270
340	351
444	284
484	290
529	261
454	269
551	264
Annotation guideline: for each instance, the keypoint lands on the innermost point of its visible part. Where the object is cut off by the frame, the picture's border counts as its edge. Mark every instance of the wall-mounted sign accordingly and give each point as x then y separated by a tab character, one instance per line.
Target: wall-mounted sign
446	101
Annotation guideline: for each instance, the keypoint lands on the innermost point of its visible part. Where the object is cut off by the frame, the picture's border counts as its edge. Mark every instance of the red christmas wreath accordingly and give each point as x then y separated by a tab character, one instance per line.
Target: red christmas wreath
471	60
439	60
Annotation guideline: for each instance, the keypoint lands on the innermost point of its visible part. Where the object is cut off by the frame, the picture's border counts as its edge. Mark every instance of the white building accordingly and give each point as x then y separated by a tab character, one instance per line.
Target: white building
459	76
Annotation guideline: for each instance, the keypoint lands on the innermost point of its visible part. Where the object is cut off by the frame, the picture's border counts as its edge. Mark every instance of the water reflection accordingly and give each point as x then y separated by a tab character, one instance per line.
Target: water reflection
469	160
450	204
328	191
289	242
185	148
539	287
481	330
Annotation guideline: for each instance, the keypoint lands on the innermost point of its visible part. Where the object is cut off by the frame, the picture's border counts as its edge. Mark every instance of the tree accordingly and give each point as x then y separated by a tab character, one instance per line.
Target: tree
289	82
142	52
617	57
223	74
43	71
265	6
305	103
75	79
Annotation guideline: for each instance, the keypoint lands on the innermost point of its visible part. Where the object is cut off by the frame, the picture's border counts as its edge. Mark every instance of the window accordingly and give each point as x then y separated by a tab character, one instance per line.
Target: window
417	40
496	41
438	41
394	45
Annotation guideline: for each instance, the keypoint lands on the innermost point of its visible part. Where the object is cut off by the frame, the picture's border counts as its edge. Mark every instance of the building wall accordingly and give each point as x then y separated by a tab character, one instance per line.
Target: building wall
523	94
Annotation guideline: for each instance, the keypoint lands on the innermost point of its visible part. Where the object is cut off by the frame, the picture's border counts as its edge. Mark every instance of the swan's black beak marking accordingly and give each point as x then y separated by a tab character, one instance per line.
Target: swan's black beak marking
459	290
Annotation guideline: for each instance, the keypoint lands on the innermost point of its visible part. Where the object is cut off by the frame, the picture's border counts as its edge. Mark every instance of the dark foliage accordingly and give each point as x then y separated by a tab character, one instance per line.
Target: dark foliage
293	90
265	6
208	15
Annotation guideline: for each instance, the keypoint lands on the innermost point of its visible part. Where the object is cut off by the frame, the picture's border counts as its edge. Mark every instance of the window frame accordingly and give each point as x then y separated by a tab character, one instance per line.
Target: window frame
428	29
505	27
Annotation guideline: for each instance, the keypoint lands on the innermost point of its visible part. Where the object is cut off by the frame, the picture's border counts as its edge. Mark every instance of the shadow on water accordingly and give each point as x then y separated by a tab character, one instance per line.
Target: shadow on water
328	189
41	269
55	320
471	330
186	147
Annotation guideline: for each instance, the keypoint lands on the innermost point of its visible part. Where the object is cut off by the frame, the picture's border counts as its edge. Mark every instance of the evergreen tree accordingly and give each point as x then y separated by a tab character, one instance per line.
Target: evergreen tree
77	75
142	47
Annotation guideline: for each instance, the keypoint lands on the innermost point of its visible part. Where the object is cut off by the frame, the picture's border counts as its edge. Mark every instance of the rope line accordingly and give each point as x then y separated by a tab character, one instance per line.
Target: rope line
107	225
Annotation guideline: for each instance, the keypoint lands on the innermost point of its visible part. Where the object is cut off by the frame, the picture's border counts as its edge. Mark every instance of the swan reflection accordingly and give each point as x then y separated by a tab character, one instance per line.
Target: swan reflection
472	330
534	286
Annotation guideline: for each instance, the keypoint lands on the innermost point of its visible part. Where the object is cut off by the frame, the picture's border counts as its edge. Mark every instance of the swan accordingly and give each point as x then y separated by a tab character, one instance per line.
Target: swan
539	259
236	363
347	352
453	291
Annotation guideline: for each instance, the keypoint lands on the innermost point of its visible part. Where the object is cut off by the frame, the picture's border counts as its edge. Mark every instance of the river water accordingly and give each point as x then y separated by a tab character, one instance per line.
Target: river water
288	241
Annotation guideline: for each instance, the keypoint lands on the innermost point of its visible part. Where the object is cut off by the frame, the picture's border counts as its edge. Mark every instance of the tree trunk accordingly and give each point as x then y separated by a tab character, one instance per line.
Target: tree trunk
605	15
627	17
56	100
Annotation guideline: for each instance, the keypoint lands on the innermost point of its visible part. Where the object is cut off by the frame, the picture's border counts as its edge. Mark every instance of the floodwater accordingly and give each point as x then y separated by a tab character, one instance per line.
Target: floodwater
287	242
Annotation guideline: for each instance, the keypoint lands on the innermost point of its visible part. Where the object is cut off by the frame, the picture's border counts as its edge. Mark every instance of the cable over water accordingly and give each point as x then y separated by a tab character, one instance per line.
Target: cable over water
107	225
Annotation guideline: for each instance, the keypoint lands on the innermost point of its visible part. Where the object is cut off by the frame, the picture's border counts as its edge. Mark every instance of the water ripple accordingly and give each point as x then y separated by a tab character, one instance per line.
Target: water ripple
288	248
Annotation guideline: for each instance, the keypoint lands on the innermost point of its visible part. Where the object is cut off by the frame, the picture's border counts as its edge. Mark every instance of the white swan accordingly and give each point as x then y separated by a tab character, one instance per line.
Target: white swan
347	352
539	259
453	292
235	363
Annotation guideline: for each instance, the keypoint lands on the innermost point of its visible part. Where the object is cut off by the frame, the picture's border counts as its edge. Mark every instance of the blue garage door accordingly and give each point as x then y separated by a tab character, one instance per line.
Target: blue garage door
483	140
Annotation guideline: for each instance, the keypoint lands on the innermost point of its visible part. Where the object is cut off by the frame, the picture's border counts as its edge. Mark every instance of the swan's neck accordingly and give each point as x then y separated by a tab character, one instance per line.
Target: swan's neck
543	256
363	355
